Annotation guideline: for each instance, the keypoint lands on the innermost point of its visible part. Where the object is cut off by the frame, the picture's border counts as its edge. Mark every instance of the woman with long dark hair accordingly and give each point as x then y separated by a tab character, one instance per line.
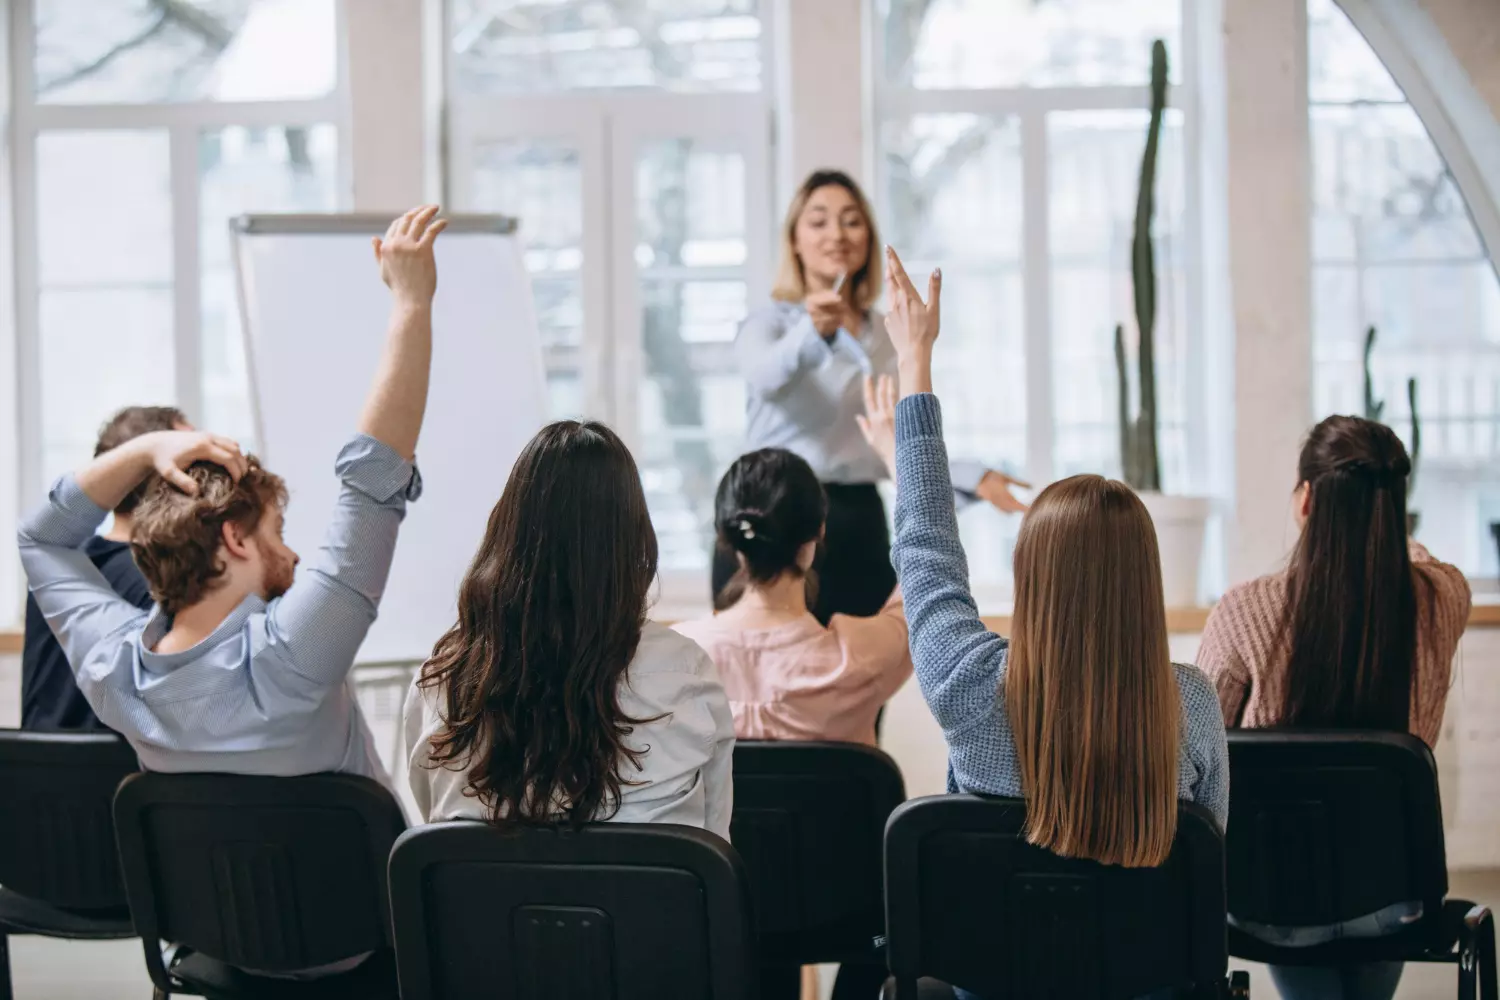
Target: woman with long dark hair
1358	632
805	356
552	699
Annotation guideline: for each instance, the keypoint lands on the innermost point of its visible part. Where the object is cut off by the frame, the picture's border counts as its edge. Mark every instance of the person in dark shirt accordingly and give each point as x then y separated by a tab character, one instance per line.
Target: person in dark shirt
50	699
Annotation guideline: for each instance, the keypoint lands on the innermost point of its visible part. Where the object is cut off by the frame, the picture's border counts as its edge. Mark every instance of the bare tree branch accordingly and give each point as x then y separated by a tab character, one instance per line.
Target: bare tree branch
109	56
214	33
911	195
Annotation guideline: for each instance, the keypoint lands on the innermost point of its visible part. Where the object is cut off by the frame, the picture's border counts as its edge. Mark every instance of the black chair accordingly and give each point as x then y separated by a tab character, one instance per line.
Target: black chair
970	903
613	911
1326	827
809	821
276	875
59	870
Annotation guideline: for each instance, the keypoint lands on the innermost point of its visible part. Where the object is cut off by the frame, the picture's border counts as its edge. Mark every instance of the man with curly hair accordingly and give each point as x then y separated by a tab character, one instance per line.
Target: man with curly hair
242	664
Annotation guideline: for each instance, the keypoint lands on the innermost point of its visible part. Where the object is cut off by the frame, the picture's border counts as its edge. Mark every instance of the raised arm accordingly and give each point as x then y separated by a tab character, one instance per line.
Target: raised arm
971	480
80	606
324	617
398	399
957	660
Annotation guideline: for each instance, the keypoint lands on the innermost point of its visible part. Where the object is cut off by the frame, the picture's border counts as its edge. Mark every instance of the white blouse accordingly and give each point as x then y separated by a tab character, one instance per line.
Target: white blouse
686	771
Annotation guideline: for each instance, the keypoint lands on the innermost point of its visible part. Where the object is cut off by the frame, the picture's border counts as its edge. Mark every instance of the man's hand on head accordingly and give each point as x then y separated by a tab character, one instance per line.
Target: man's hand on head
173	452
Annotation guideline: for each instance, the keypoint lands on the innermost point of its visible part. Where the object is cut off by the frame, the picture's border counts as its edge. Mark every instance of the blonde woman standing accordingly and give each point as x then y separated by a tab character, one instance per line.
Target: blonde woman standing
805	356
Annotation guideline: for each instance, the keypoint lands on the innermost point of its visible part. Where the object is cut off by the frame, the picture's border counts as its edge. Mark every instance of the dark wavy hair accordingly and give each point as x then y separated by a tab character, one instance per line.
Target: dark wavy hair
1351	617
176	538
549	618
769	504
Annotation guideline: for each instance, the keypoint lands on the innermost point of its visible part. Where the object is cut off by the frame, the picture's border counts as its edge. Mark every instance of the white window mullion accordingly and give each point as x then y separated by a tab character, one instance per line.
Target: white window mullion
601	331
627	349
201	114
13	422
1198	426
906	102
24	192
187	310
1036	263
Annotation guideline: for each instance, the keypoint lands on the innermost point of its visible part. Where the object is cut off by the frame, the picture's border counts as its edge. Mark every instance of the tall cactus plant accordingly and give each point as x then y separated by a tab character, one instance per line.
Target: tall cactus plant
1139	456
1374	408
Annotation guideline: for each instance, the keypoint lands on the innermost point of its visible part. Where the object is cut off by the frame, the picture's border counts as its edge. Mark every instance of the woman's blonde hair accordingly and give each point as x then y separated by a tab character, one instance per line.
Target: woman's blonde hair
1090	688
791	281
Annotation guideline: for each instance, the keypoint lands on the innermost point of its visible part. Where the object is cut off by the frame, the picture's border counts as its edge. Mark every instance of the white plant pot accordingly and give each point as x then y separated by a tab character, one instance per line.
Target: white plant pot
1180	524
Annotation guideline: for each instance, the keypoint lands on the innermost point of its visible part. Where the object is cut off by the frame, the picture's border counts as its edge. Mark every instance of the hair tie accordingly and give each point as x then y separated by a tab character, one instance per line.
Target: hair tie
746	529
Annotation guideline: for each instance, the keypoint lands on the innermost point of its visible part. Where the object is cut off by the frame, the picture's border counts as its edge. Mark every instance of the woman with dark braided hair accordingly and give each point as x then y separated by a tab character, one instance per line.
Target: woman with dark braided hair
1358	632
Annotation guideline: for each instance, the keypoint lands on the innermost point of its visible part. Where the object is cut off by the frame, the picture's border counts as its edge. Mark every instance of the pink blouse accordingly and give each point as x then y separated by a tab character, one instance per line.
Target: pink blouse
801	681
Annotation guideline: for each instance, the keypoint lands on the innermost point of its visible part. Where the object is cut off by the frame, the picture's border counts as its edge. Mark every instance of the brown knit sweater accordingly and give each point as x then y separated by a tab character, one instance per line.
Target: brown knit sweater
1244	651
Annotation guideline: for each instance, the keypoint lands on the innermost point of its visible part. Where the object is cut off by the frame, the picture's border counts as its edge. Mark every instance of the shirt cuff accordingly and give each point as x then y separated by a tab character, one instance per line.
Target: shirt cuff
811	347
967	475
70	517
918	416
373	467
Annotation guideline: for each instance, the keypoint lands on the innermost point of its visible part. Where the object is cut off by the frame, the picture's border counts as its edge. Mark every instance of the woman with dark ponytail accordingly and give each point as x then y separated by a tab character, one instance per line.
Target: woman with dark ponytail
1358	632
789	677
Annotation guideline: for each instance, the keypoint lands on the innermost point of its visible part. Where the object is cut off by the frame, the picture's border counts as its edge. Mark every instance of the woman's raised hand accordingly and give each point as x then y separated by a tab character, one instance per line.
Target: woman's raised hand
912	324
878	422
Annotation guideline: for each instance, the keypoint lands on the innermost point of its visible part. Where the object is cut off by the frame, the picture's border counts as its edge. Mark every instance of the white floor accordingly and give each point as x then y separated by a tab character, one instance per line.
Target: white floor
62	970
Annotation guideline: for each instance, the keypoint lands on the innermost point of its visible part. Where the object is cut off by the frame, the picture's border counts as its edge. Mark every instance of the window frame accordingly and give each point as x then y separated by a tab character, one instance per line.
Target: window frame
608	128
183	123
1466	473
1030	107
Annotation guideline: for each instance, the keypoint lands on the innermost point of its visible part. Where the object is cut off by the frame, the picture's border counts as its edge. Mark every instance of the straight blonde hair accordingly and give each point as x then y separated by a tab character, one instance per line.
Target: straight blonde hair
1089	687
791	279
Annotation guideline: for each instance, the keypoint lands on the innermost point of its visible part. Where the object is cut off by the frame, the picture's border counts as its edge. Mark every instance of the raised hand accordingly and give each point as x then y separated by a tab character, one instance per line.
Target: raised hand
878	422
172	452
405	254
912	323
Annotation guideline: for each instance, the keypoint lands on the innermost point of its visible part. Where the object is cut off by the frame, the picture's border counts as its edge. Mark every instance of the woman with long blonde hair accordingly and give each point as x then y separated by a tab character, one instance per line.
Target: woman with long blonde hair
1082	711
805	356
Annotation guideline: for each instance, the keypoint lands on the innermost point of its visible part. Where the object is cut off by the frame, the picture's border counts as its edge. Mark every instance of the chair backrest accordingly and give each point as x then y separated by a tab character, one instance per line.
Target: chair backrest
1326	826
809	822
970	902
614	910
57	837
269	874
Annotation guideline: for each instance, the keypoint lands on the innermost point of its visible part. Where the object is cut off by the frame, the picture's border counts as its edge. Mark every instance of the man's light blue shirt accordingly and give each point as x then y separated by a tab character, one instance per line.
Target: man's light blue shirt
268	691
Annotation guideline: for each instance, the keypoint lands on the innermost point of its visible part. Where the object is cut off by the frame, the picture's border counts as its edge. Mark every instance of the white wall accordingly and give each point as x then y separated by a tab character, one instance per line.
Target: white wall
1265	73
819	89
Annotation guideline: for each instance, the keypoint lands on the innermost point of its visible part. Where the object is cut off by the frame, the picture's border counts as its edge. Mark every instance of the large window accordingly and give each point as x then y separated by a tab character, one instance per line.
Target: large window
1394	248
631	140
1009	145
140	129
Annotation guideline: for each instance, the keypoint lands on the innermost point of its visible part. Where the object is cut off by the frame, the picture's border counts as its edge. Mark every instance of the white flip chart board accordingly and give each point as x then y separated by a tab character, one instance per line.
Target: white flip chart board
315	315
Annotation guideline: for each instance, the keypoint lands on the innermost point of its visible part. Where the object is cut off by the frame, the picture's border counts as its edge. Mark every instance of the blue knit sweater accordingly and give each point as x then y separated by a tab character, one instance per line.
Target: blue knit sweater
960	664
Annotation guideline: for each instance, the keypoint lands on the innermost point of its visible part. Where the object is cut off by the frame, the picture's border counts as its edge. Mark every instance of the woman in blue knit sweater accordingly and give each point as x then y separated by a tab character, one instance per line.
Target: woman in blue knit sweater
1087	666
